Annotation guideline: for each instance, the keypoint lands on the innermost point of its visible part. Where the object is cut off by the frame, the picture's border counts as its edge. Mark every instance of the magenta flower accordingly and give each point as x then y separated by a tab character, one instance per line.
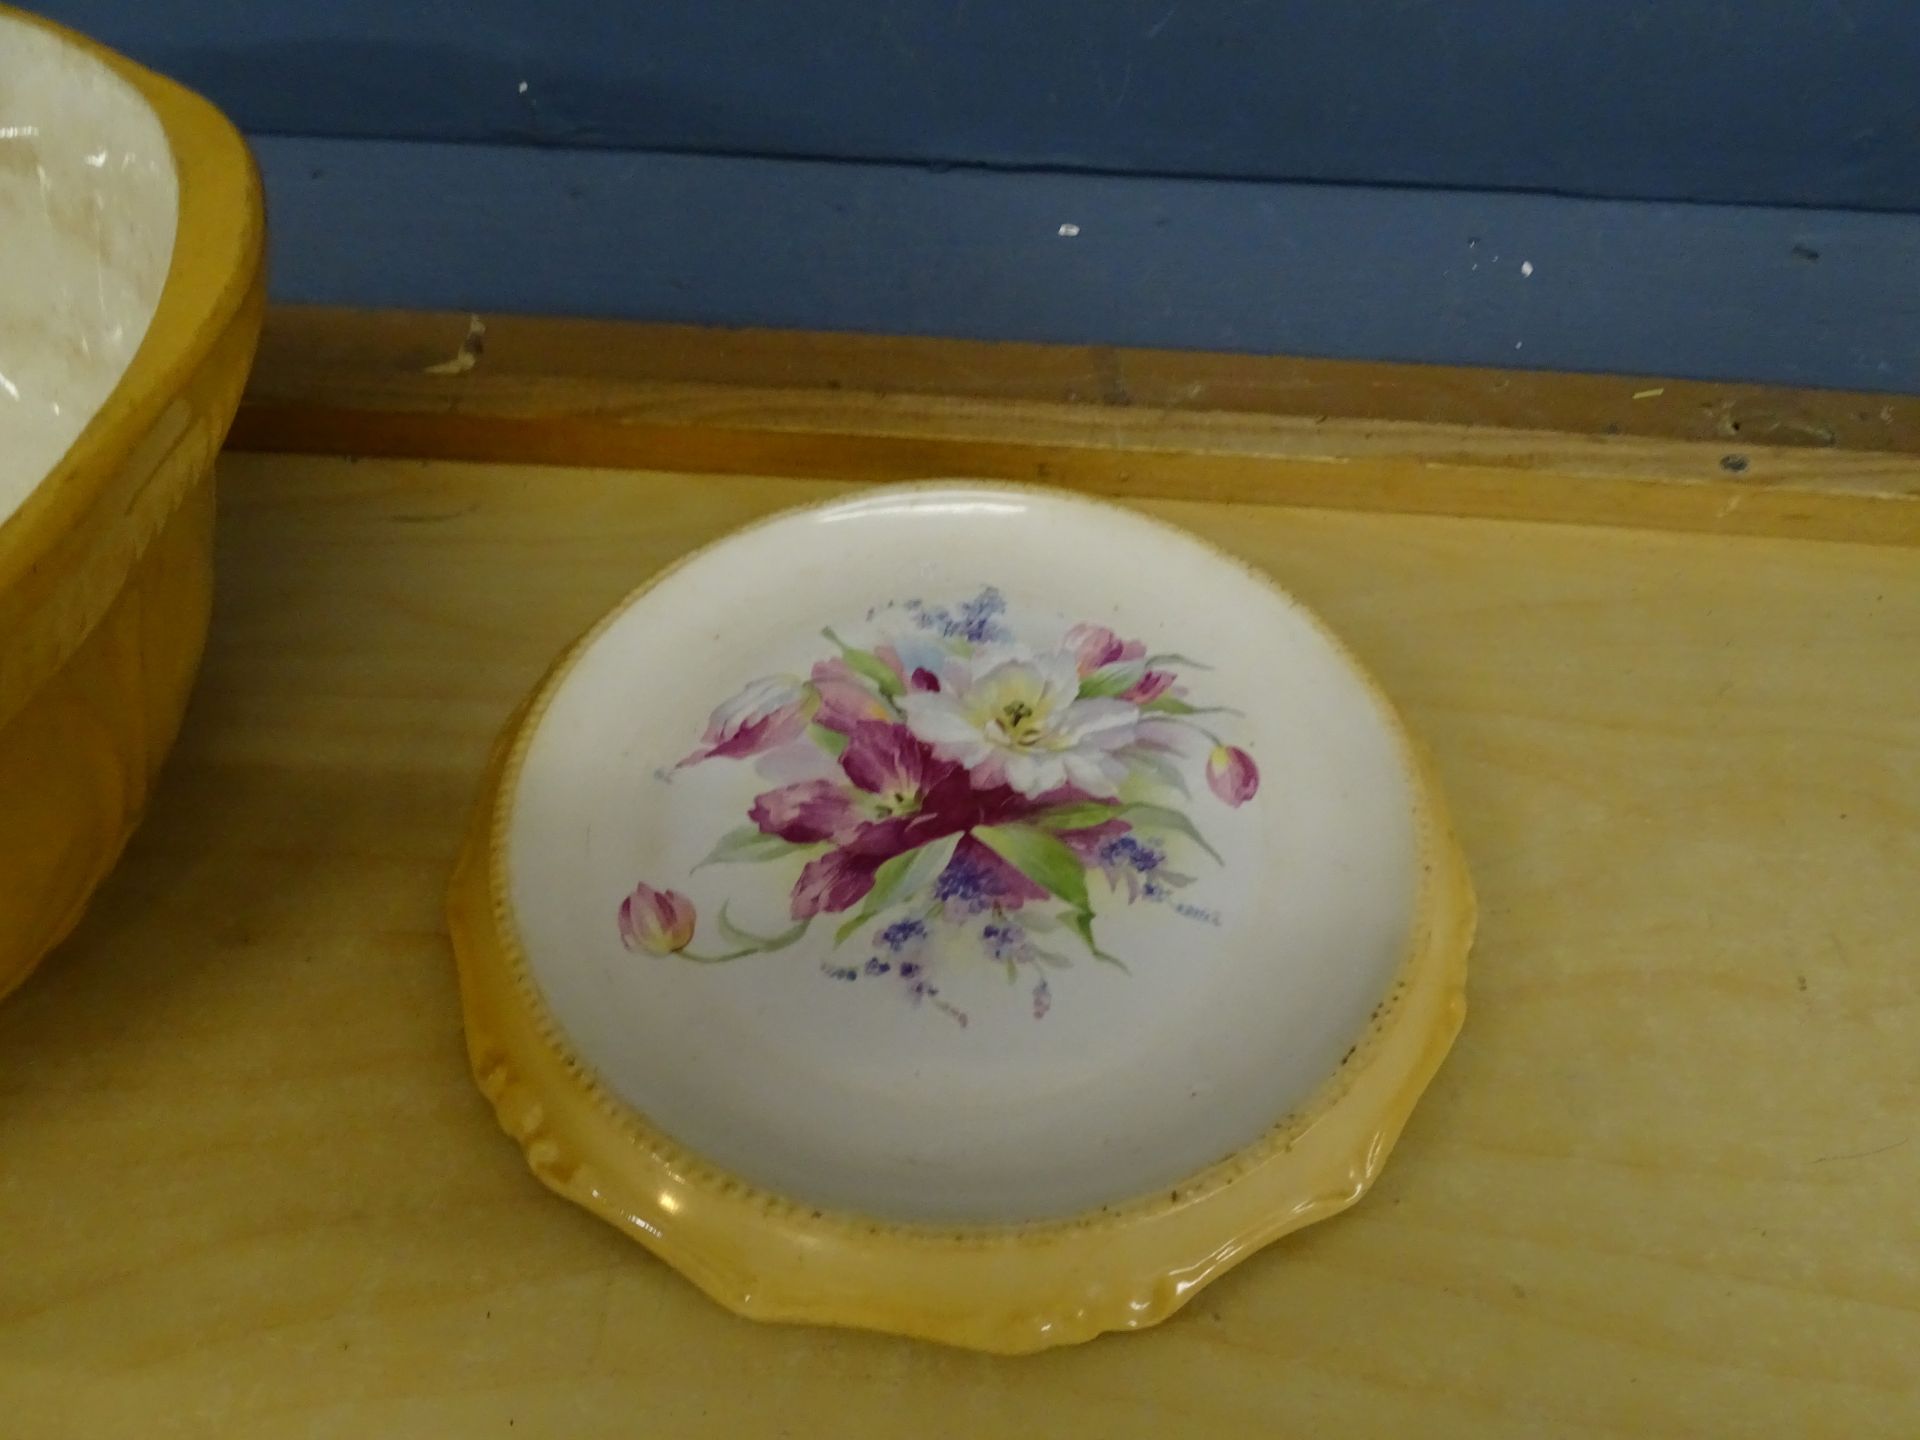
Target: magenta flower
1094	646
1232	775
807	811
976	879
884	762
891	762
659	922
845	699
918	799
763	716
841	878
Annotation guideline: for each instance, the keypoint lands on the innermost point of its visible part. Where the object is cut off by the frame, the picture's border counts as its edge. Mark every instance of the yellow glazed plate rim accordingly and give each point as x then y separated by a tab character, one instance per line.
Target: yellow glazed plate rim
66	549
1005	1288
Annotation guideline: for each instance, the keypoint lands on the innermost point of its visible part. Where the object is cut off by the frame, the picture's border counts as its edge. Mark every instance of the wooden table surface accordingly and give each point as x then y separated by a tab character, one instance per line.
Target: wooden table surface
1668	1183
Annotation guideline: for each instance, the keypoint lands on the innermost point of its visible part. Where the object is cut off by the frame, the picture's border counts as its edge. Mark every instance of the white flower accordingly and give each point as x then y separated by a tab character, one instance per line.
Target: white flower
1018	720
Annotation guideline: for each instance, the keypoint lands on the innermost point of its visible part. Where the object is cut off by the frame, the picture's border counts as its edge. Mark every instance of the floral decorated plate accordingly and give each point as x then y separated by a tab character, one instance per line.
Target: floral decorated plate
966	911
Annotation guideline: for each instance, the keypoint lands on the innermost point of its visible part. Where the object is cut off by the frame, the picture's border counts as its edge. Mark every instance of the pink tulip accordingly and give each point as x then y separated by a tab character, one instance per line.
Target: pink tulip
1232	775
763	716
1150	686
1093	646
659	922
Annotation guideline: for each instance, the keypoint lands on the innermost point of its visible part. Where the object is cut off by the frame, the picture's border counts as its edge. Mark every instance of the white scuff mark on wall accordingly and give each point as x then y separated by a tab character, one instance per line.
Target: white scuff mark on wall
1526	267
468	355
1069	230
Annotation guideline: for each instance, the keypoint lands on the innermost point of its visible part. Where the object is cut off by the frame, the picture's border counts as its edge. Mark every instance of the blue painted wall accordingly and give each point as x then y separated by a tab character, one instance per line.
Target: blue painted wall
1771	102
1717	190
1802	297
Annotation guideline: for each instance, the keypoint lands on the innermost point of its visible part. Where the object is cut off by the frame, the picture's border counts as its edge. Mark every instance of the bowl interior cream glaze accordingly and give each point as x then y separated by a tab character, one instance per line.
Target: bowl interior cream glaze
88	212
992	1069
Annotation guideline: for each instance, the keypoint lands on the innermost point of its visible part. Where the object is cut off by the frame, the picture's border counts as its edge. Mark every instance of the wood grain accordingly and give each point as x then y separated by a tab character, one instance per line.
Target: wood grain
1122	423
1664	1185
309	346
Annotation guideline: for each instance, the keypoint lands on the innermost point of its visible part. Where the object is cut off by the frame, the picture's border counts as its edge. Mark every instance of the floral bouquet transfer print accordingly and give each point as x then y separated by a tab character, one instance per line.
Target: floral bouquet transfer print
954	793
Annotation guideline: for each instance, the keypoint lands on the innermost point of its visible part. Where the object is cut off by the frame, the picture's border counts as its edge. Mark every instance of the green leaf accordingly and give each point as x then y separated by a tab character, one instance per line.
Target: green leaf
933	858
1169	662
869	667
1114	679
901	878
1076	817
1163	817
831	741
1093	812
1082	923
765	944
1043	858
749	845
1158	768
1173	705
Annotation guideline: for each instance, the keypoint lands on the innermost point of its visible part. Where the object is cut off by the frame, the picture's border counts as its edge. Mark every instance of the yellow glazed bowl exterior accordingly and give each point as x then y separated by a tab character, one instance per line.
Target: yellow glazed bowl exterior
1003	1288
106	570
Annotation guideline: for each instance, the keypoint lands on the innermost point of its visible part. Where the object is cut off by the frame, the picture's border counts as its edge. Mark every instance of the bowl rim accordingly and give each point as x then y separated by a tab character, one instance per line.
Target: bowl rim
66	549
1004	1287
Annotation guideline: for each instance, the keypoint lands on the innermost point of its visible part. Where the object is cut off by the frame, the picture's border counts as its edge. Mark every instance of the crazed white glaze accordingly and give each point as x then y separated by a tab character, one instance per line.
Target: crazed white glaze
88	213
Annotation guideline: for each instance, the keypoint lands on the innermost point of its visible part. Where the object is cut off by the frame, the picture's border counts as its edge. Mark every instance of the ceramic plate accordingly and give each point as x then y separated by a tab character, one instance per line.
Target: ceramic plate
963	910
